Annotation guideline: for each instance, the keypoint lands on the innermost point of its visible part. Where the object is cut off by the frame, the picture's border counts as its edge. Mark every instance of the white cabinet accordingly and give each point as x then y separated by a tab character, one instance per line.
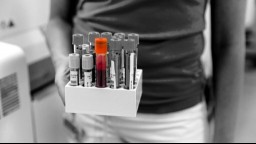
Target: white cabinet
16	123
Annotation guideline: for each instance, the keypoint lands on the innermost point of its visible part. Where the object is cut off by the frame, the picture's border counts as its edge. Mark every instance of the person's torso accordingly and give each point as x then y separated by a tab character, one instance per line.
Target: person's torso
153	19
170	49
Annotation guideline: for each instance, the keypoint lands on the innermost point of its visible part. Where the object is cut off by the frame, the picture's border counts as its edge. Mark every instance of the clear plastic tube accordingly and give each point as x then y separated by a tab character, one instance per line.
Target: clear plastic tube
130	62
101	67
91	39
115	51
101	62
74	65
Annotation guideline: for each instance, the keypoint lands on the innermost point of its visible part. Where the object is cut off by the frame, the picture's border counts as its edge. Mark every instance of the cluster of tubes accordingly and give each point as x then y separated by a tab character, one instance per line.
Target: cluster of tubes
106	61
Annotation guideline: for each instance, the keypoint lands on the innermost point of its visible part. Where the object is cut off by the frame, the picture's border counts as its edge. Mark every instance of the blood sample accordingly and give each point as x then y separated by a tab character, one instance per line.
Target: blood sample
87	65
78	41
91	39
121	36
129	48
115	51
136	38
108	36
101	62
74	65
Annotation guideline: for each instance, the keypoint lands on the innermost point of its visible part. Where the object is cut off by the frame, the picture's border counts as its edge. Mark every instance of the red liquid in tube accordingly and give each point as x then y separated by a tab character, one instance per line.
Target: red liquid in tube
101	75
101	62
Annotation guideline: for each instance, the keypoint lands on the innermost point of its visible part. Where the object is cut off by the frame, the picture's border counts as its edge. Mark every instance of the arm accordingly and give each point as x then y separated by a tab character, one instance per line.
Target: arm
251	35
59	33
228	41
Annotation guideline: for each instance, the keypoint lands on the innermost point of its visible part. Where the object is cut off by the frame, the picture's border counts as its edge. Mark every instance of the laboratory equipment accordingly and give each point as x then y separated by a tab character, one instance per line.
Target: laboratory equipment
16	123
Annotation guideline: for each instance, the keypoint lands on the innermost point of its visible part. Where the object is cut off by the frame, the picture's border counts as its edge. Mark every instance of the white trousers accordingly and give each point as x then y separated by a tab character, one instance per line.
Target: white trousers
188	126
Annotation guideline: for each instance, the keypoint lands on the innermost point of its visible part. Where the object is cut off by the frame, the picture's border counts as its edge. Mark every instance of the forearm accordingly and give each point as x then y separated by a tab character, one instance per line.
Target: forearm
229	81
59	40
228	46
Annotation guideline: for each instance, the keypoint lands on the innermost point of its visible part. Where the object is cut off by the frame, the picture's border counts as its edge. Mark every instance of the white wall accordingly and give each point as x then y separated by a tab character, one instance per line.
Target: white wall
28	16
25	14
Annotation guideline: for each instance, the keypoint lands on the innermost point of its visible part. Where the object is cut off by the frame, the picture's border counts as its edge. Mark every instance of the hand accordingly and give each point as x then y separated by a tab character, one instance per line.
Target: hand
62	78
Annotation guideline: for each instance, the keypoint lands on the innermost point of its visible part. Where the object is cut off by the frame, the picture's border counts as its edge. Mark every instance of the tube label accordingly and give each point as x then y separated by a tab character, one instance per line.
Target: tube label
132	70
113	75
74	78
108	68
123	66
88	79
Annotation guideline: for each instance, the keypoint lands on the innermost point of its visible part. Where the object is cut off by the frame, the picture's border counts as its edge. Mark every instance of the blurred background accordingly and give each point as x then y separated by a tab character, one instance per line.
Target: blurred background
30	108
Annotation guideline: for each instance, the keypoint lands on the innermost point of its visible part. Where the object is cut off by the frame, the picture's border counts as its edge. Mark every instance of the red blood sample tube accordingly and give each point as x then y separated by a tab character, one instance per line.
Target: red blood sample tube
101	45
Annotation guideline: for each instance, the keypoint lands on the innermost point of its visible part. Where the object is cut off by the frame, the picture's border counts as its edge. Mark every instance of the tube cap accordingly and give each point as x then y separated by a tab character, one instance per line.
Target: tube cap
129	45
92	36
135	37
122	38
74	61
115	44
78	39
122	34
87	62
101	45
107	35
78	51
115	37
86	49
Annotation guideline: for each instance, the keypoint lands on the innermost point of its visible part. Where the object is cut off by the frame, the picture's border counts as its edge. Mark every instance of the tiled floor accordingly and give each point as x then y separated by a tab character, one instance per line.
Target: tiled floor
247	110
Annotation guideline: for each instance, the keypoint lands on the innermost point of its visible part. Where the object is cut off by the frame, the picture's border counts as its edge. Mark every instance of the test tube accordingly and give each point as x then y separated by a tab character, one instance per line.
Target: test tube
136	38
101	62
87	66
78	41
120	34
108	36
122	37
115	51
91	39
85	49
129	48
74	66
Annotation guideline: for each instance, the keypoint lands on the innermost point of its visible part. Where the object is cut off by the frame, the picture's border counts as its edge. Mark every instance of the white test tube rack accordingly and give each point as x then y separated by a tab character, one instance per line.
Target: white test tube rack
104	101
